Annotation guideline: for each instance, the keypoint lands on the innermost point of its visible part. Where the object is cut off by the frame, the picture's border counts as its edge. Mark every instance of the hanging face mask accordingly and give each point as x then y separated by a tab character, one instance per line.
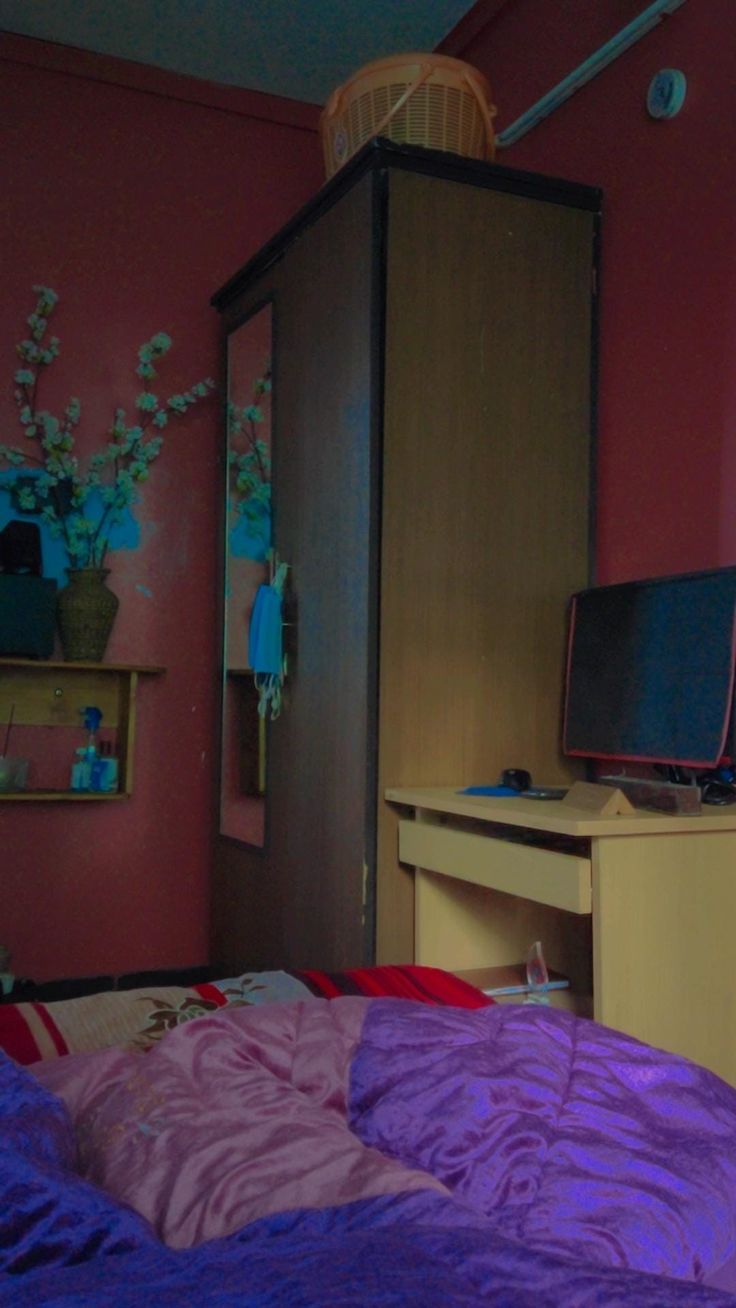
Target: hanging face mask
265	643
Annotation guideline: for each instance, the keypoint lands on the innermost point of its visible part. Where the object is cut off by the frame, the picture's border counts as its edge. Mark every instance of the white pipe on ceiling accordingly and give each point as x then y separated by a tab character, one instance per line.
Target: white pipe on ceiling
653	14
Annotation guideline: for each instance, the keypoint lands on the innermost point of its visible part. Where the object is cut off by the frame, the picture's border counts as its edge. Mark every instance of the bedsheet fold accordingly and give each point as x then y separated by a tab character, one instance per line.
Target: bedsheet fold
230	1118
568	1136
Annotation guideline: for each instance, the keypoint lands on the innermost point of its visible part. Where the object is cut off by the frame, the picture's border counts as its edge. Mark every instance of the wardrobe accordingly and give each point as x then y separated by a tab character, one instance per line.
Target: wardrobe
433	363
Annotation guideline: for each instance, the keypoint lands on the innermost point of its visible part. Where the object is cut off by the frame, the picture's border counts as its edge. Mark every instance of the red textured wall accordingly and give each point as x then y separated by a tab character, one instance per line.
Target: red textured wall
667	401
135	195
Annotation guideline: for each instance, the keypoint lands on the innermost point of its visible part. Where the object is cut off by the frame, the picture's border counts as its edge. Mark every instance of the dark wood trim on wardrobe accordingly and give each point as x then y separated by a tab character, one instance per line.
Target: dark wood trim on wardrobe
594	407
380	153
379	199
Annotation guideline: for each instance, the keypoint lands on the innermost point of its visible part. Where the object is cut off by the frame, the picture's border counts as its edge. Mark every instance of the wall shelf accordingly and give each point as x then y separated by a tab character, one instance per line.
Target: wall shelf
50	692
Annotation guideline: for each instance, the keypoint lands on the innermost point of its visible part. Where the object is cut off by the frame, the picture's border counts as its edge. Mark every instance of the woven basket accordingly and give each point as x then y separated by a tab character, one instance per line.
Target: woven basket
85	612
420	99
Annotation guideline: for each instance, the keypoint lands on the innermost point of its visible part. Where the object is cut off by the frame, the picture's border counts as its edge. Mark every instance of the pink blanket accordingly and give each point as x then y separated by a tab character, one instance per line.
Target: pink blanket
232	1117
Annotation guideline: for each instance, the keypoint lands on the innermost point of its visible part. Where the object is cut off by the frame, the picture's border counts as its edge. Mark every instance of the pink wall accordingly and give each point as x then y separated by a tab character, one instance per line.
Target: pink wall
135	194
667	401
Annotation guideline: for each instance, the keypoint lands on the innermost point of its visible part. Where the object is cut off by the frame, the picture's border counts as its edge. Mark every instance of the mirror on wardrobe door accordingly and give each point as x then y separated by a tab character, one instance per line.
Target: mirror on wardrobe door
247	542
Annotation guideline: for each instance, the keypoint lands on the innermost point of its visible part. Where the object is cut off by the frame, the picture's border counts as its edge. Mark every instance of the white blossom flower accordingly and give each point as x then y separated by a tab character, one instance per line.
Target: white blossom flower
53	485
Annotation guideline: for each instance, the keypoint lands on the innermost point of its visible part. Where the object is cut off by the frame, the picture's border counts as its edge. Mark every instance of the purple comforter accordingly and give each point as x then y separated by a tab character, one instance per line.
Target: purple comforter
369	1152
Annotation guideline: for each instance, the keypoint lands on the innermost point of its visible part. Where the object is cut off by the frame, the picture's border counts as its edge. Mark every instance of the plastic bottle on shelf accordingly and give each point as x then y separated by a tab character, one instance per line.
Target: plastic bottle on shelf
80	777
82	769
104	769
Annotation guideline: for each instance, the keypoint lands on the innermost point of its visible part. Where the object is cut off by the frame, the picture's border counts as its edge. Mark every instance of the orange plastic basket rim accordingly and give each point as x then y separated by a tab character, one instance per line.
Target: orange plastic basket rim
357	110
415	57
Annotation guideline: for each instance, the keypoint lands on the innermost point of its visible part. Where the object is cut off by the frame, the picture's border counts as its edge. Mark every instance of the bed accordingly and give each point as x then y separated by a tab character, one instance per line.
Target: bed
345	1144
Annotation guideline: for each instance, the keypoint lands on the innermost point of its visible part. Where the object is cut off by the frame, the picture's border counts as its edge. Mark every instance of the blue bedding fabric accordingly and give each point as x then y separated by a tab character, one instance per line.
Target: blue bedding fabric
501	1105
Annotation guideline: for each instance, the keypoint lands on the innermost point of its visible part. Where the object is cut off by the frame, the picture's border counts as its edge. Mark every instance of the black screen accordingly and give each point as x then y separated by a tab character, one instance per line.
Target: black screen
650	670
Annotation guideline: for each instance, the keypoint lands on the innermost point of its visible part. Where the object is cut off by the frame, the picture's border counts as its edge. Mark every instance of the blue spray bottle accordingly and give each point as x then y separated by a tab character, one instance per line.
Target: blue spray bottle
82	770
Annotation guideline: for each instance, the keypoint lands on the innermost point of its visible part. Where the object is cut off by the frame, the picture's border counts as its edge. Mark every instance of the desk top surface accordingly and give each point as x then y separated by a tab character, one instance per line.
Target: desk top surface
553	815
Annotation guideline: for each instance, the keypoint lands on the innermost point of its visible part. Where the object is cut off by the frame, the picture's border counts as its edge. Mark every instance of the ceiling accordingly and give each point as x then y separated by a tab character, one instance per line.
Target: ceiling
302	49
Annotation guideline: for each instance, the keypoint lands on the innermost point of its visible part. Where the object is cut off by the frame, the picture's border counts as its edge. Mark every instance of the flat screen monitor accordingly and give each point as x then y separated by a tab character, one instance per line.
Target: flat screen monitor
650	670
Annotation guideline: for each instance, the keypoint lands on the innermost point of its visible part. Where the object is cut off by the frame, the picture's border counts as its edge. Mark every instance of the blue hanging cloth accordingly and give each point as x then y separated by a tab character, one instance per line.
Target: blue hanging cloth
265	643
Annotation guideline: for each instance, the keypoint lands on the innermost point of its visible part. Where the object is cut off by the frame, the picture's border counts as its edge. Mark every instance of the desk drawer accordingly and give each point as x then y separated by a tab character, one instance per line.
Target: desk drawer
562	880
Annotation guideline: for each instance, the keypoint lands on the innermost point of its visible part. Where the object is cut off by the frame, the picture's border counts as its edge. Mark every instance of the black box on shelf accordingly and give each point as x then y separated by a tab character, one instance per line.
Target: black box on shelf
27	613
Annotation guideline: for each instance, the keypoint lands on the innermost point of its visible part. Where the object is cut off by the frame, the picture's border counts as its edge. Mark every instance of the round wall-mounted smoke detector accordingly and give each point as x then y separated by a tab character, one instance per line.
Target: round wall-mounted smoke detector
666	94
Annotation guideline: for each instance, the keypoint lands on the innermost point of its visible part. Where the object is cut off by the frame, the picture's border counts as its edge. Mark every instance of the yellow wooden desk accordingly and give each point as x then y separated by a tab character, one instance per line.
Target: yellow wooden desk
638	910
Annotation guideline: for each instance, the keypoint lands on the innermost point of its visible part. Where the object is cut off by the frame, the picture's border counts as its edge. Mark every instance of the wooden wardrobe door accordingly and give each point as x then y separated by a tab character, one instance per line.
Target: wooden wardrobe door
322	494
486	468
